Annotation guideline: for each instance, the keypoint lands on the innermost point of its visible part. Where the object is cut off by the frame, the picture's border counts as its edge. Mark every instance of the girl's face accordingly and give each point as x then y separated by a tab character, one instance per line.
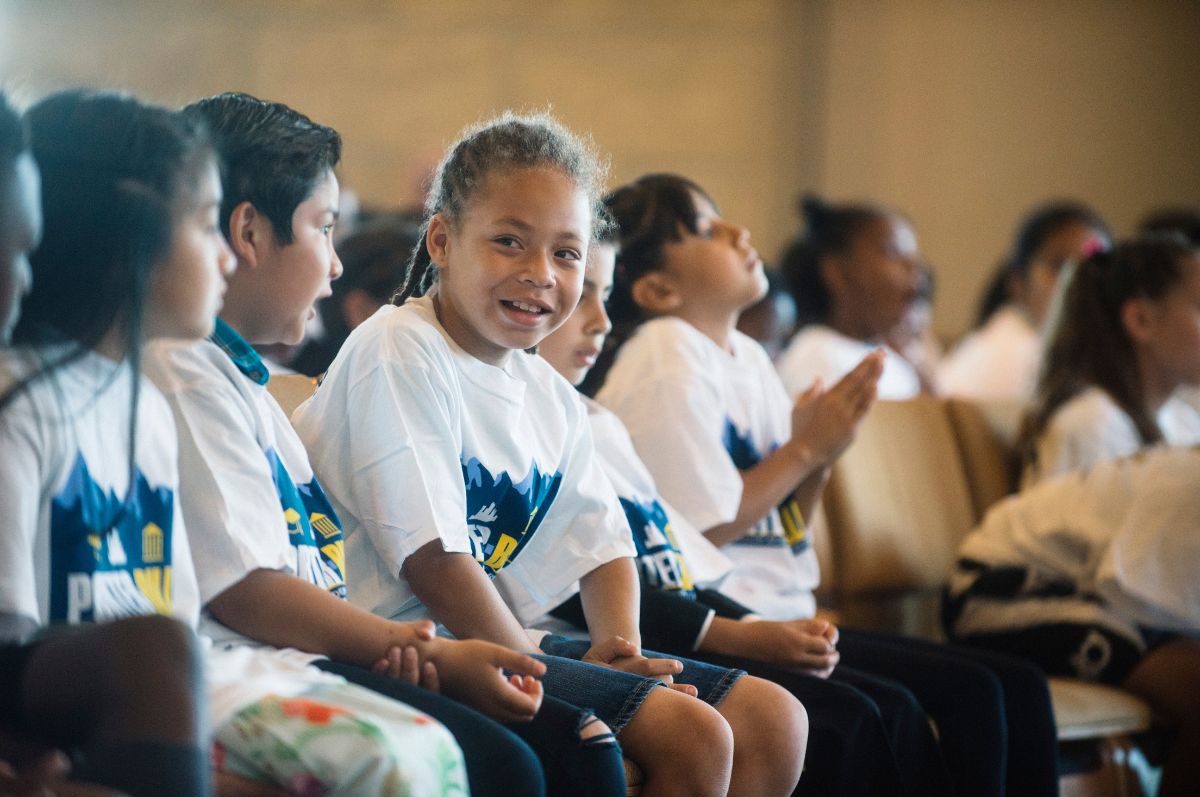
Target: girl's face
715	269
511	269
573	348
1068	244
186	288
875	283
20	229
1170	339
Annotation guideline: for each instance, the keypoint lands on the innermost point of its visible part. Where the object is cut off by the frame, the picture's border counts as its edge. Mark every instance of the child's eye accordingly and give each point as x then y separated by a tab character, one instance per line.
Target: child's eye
326	229
508	241
568	254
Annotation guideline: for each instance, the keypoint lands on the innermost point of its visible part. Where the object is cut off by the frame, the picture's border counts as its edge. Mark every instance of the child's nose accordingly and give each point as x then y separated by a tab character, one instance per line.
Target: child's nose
335	267
539	270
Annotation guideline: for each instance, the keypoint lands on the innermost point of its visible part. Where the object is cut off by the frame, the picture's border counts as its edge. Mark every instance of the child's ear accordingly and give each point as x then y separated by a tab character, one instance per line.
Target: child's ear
1137	316
437	239
246	233
656	293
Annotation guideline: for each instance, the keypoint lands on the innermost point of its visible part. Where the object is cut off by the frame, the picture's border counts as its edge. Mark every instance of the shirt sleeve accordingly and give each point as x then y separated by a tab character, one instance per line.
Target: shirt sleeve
21	493
684	452
671	622
234	520
404	481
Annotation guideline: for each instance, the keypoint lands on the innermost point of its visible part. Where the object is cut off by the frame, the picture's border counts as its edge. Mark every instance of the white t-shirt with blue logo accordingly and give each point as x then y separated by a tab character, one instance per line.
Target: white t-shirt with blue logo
80	546
80	543
671	554
249	495
698	415
415	440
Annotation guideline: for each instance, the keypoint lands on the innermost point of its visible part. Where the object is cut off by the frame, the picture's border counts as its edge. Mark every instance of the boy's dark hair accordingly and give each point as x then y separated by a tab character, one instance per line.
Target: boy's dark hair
1039	225
13	137
272	156
115	173
1089	345
828	230
503	144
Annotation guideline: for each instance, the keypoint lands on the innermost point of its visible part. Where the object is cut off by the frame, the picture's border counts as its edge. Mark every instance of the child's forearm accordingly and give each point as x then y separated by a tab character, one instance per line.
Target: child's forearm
278	609
611	596
460	596
766	485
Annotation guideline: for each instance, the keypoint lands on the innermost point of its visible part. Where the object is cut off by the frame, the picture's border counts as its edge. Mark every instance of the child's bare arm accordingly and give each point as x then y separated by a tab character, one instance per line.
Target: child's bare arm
611	598
284	611
459	595
823	424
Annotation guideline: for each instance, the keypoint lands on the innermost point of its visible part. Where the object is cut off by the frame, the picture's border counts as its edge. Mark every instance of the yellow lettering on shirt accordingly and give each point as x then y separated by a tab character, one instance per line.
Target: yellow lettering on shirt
794	530
501	553
155	584
336	553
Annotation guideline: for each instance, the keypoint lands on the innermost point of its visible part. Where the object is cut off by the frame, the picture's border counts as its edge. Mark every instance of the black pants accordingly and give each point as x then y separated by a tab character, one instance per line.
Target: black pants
866	736
973	696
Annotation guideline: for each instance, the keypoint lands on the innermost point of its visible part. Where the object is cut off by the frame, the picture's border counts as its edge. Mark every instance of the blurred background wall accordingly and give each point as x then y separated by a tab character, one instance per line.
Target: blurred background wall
962	113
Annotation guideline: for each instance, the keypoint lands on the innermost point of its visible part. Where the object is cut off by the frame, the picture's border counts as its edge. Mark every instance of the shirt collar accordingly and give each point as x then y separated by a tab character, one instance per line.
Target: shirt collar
242	353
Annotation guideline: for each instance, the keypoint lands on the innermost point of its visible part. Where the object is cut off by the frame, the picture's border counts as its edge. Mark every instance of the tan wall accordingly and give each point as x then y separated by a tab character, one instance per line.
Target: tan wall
961	113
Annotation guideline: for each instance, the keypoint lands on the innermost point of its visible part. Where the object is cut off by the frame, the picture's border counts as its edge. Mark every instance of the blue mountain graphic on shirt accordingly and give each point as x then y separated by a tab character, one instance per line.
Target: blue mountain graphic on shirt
502	516
789	528
660	563
314	529
109	557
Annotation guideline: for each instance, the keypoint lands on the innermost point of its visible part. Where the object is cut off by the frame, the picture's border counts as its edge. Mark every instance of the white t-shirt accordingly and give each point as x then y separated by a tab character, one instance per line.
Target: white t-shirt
417	441
671	553
249	494
1000	360
81	547
79	544
1117	545
1091	428
698	415
819	351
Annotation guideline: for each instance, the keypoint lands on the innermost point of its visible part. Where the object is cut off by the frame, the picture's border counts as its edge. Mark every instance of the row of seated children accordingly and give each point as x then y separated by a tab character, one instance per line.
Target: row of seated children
857	279
854	280
131	252
130	273
1104	344
504	299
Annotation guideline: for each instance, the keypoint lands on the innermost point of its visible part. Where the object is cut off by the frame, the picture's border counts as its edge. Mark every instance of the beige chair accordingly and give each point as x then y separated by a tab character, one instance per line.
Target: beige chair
291	390
918	477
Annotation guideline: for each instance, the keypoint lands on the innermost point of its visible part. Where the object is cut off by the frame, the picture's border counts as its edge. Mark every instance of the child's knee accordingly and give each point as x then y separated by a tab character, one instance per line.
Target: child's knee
766	717
681	740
